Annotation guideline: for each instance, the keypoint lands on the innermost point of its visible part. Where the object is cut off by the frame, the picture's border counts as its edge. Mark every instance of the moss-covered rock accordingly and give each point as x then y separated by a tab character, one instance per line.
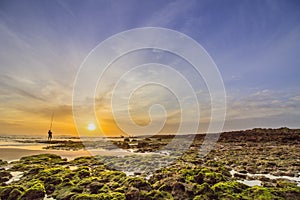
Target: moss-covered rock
37	191
95	186
231	189
285	184
179	191
88	180
19	166
138	182
64	193
65	145
166	188
202	197
213	177
4	176
199	177
102	196
85	161
50	188
104	189
98	169
52	171
10	191
190	174
203	189
32	165
70	175
35	170
190	177
133	193
3	162
42	159
15	194
54	180
156	195
121	189
111	176
261	193
286	190
83	173
5	191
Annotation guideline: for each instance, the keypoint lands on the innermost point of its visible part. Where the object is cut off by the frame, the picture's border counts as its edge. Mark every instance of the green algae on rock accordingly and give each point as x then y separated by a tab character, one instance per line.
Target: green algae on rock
4	176
188	177
36	191
3	163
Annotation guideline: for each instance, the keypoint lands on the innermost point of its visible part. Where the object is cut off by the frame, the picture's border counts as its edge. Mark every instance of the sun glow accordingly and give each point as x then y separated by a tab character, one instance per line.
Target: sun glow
91	127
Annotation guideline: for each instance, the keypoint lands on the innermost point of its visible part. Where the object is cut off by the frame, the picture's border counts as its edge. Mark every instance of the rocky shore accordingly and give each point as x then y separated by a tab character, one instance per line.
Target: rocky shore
252	164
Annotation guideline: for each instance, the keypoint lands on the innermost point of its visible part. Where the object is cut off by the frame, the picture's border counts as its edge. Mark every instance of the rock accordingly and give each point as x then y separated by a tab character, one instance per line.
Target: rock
112	195
242	176
133	194
37	192
156	195
178	187
138	182
15	194
199	178
3	180
251	169
213	178
202	189
243	171
179	191
137	173
263	178
95	187
4	176
3	162
5	191
166	188
268	184
49	188
35	170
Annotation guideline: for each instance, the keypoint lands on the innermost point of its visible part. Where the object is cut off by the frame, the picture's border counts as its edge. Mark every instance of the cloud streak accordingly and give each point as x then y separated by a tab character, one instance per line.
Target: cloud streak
255	45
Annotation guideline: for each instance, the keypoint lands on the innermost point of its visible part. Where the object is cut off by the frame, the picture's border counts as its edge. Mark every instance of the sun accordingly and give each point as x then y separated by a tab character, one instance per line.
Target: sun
91	126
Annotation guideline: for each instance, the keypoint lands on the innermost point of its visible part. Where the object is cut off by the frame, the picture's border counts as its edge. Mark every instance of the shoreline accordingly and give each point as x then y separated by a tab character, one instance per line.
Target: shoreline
11	154
243	165
15	153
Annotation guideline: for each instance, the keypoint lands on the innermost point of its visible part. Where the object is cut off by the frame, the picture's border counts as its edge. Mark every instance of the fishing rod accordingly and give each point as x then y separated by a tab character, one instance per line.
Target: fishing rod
51	121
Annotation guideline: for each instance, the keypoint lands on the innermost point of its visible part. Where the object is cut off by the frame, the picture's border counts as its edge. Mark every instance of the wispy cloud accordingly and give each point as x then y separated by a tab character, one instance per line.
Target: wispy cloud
255	46
169	14
263	106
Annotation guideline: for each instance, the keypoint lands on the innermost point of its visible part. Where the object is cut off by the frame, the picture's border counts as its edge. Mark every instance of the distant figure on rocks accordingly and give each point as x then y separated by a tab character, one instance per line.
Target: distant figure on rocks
49	135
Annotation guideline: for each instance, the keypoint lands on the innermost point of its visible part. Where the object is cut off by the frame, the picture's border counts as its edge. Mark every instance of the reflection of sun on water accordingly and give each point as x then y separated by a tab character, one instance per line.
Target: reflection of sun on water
91	127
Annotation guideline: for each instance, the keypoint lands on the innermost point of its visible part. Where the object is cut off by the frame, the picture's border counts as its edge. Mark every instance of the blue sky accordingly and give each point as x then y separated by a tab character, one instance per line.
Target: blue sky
255	45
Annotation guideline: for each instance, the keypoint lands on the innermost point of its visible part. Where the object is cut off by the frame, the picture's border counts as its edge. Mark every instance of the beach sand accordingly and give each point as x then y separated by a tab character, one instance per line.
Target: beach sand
9	154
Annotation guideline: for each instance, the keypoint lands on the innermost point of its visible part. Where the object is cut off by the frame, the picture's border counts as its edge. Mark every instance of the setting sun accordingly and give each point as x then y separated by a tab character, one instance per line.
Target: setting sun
91	127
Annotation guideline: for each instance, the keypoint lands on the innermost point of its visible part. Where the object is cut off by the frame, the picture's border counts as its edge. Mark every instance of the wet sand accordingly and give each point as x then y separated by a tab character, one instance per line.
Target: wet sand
9	154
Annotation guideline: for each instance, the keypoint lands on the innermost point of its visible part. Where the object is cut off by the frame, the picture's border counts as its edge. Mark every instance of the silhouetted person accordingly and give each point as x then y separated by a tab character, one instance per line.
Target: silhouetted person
49	135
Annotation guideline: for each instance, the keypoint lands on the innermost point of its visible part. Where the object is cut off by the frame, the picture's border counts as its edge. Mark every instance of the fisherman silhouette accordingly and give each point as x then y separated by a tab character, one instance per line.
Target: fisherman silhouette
49	135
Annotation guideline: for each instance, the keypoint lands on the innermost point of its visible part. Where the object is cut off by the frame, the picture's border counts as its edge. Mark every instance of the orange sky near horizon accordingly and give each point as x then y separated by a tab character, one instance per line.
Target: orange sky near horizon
25	123
44	45
33	123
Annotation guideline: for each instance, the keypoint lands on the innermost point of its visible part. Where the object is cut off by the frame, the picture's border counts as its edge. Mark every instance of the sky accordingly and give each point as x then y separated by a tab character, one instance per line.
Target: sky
254	44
